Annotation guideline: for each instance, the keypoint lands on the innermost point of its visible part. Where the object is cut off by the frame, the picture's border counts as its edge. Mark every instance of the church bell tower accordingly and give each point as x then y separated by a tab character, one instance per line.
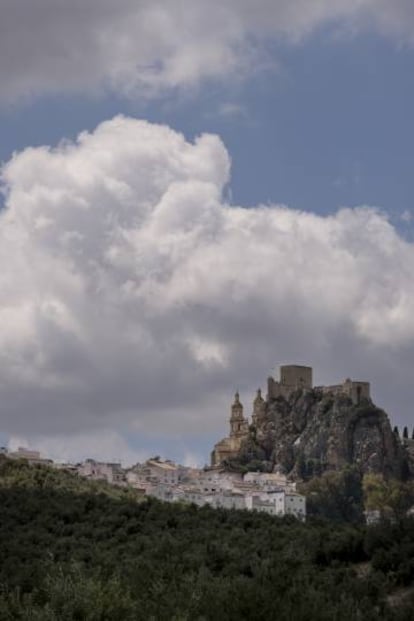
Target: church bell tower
238	424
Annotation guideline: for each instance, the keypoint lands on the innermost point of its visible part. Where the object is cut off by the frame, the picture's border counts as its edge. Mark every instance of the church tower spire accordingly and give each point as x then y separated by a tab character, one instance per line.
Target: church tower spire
259	407
238	424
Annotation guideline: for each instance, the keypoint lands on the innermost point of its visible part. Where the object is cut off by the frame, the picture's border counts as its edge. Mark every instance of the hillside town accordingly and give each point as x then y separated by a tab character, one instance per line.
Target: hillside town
307	427
271	493
219	486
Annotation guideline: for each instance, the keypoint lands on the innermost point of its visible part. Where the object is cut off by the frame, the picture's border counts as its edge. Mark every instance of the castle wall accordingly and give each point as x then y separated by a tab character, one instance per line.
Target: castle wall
354	390
293	377
276	389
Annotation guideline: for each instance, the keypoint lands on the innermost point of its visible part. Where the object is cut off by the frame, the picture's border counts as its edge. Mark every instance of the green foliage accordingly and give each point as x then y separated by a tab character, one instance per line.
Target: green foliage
337	496
20	474
72	550
392	498
70	594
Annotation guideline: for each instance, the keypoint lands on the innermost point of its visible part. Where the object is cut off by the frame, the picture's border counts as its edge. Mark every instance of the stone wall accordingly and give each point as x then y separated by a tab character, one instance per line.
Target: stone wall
356	391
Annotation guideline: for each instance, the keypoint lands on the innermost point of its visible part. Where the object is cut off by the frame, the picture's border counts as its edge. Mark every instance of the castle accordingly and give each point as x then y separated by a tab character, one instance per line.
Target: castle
291	378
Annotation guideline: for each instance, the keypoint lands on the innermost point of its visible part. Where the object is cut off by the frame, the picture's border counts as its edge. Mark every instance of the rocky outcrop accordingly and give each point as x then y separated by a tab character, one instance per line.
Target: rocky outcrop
310	431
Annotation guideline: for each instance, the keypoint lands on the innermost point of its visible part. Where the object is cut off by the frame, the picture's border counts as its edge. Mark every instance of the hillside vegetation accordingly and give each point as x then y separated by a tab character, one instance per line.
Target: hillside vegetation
70	549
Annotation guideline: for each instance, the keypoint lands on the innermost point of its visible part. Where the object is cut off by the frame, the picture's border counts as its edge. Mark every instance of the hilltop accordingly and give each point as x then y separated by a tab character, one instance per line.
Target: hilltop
304	431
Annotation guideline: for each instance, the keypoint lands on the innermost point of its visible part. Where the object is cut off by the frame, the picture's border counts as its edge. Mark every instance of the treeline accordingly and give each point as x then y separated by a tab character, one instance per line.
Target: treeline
405	433
71	550
348	494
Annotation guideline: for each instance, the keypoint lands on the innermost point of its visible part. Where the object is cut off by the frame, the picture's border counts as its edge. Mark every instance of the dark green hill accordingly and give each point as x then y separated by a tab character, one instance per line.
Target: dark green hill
73	550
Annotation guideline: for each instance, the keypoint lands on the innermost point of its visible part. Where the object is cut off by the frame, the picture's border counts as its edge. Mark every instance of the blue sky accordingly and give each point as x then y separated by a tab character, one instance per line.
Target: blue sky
314	109
331	126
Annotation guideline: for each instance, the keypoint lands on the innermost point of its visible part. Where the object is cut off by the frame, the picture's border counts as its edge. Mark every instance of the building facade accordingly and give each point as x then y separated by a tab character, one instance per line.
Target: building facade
239	430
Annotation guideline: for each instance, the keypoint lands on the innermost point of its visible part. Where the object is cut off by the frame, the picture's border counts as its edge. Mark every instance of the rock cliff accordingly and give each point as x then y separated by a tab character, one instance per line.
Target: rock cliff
310	431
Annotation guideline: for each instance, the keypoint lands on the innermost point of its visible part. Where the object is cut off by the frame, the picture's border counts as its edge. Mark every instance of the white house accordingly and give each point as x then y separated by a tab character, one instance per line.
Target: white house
102	471
157	471
166	493
278	503
198	497
229	500
138	480
269	480
213	481
33	457
290	503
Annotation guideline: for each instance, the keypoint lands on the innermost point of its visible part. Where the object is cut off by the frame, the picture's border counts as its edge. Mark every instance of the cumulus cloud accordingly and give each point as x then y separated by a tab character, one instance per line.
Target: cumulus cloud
133	297
143	48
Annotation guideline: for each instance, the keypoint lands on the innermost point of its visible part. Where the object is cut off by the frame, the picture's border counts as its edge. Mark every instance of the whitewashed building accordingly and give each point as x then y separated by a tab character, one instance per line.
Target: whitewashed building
226	499
163	471
138	480
33	457
278	503
166	493
289	503
269	480
111	472
157	471
213	481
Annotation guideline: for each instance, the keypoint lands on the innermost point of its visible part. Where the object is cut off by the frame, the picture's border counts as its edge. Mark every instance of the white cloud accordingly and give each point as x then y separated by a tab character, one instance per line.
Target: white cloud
193	460
133	297
143	48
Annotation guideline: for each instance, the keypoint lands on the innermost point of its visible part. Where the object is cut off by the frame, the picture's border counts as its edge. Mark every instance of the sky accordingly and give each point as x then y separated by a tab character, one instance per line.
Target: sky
193	193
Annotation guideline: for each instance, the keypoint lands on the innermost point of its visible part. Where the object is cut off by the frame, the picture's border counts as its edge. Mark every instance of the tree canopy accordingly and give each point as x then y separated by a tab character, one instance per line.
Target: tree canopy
70	549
